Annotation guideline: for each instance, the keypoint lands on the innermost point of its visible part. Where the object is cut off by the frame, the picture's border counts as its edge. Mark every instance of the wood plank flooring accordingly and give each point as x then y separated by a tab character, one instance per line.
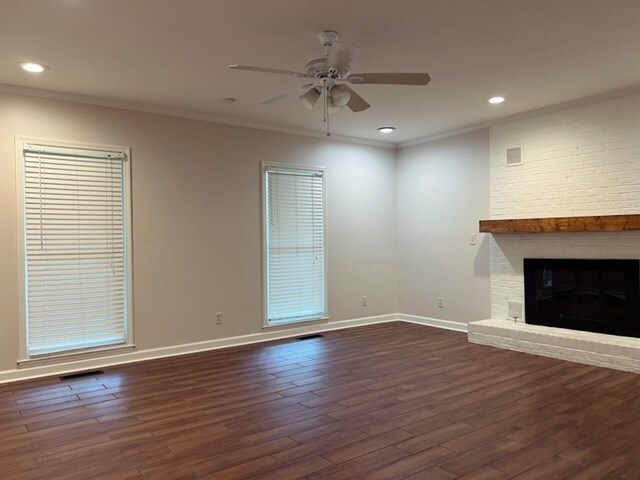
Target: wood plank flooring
392	401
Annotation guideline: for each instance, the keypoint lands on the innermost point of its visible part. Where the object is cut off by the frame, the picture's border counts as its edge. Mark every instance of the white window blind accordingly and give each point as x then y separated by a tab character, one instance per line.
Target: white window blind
295	250
75	249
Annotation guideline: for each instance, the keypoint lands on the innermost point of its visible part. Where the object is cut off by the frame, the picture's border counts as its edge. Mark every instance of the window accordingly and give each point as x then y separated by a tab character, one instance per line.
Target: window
74	211
294	233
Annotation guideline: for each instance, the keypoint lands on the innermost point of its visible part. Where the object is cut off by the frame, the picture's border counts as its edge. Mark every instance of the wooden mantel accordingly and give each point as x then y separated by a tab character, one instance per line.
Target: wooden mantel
603	223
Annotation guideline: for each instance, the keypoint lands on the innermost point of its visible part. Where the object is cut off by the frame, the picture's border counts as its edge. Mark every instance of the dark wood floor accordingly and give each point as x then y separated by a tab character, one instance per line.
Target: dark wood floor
392	401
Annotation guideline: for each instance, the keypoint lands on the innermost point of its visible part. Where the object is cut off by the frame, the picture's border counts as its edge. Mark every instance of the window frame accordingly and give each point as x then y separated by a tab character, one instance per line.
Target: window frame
265	165
20	144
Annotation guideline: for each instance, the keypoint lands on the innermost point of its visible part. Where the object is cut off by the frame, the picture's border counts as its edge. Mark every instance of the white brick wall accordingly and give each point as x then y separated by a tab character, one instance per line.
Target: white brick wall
579	161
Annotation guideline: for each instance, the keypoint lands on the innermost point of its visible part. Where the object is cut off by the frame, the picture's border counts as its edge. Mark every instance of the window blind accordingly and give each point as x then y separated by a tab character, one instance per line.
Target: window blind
295	250
75	249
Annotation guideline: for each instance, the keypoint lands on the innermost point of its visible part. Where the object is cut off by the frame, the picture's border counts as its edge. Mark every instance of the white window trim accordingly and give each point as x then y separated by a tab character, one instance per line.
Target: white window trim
20	144
265	320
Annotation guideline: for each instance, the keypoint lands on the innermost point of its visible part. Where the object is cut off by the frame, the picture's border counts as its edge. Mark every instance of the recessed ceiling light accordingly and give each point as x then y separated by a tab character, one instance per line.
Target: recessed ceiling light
386	129
33	67
496	100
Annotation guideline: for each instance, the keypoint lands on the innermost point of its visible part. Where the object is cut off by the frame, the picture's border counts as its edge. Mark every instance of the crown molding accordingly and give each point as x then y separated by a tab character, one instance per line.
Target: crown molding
601	97
206	117
447	134
188	114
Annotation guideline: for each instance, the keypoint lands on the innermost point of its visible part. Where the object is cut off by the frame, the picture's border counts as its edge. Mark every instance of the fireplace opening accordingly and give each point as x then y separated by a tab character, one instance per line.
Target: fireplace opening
600	296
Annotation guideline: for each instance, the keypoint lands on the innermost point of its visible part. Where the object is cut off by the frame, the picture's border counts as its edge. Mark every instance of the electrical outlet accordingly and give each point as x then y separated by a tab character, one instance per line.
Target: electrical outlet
364	301
218	318
440	302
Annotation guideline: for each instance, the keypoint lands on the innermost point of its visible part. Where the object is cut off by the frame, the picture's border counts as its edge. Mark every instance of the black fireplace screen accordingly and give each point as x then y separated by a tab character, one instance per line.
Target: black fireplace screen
591	295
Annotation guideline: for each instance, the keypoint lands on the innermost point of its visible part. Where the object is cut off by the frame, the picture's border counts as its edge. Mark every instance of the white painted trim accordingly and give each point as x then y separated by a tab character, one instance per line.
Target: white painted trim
602	97
99	352
22	246
284	167
21	142
207	117
26	373
447	134
191	115
263	238
434	322
285	326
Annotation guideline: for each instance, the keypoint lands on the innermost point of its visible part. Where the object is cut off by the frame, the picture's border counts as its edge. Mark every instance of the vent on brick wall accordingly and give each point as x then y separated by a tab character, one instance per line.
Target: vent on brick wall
514	155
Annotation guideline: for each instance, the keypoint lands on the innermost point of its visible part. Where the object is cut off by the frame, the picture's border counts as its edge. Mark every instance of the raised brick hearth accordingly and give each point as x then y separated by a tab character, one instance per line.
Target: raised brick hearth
621	353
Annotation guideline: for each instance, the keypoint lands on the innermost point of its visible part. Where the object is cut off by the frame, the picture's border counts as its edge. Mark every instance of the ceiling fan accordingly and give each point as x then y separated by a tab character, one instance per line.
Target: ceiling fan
329	75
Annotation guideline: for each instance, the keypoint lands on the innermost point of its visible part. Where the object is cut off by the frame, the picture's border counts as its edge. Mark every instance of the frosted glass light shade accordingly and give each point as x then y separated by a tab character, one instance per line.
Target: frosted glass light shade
309	98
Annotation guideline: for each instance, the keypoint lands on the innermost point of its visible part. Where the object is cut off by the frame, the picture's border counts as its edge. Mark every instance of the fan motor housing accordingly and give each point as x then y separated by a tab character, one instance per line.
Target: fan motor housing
317	67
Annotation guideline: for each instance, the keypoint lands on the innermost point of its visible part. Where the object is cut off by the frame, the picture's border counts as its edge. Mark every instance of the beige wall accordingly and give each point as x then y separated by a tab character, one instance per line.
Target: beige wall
443	190
196	218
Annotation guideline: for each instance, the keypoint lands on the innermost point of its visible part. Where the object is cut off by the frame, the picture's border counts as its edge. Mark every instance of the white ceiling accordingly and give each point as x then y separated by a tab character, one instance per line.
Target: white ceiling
175	53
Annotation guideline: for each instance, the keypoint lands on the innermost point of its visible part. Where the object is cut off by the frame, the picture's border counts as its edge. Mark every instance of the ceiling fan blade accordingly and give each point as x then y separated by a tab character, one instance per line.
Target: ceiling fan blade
340	56
390	78
356	102
269	70
286	94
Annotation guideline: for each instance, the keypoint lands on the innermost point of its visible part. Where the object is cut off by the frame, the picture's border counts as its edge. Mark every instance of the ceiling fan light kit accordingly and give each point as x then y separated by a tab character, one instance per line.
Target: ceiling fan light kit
310	98
329	74
332	107
340	95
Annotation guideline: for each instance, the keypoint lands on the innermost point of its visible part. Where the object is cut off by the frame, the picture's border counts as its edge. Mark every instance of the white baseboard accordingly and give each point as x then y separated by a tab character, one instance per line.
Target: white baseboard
27	373
153	353
434	322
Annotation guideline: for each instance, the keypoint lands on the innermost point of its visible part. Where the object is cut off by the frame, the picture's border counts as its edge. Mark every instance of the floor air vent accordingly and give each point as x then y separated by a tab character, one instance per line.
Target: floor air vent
309	337
90	373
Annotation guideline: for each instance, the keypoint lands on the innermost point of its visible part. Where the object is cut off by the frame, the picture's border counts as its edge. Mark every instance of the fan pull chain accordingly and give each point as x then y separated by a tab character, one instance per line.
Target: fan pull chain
324	100
325	91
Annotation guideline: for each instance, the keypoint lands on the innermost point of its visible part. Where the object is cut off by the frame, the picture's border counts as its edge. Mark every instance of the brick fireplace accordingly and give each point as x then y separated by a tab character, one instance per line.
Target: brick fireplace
578	161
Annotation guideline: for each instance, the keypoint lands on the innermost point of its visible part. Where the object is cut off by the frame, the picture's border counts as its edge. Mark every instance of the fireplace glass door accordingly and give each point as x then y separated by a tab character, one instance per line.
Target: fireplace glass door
591	295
